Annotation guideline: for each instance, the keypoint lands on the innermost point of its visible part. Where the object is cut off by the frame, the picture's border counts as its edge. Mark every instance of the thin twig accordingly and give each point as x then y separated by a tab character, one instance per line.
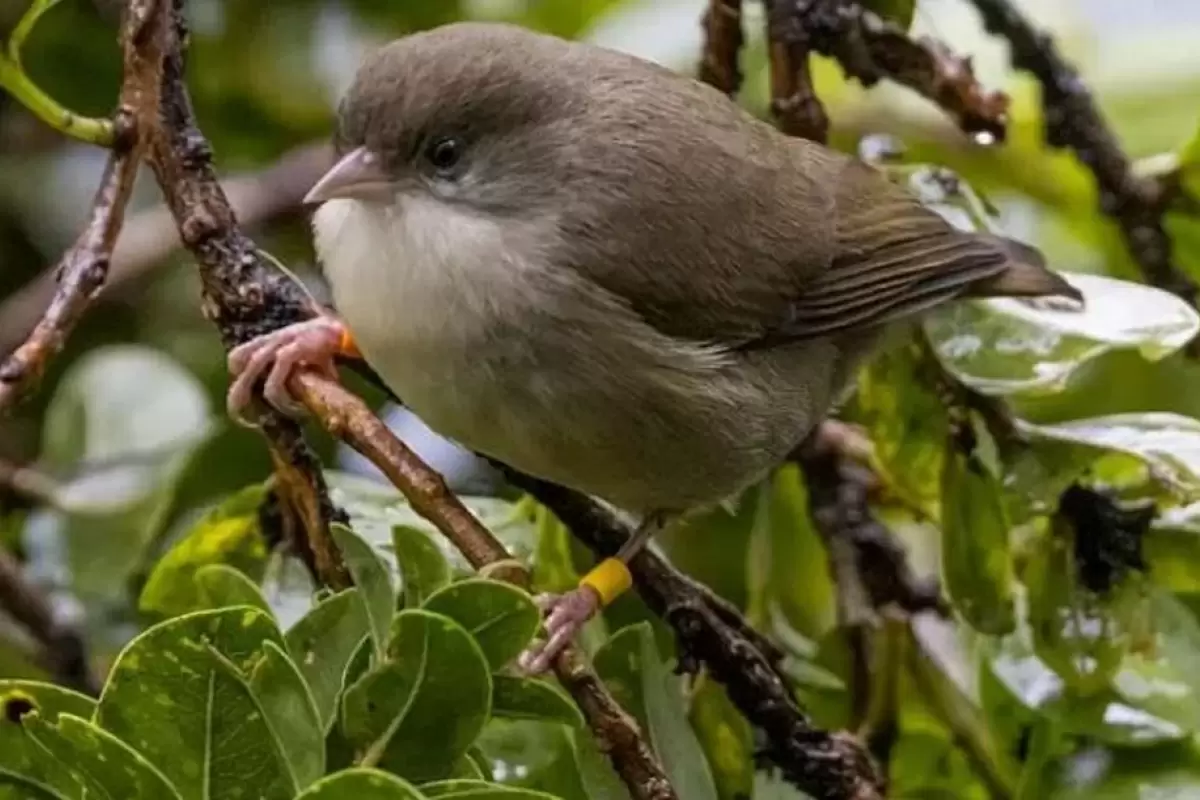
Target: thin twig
63	649
1074	121
83	269
723	39
869	49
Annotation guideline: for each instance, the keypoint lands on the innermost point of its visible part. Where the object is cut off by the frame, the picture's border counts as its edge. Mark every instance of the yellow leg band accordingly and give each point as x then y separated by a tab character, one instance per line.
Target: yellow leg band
610	579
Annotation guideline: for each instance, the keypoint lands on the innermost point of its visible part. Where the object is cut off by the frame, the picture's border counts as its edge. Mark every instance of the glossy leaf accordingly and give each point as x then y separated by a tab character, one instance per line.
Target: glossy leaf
423	568
322	643
22	762
630	665
222	586
361	783
290	712
976	560
371	578
98	760
418	711
480	790
229	534
530	698
1169	444
1007	346
177	694
501	617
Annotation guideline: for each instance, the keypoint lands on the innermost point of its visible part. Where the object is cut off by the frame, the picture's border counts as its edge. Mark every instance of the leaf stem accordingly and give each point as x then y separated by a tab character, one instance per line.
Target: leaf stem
88	129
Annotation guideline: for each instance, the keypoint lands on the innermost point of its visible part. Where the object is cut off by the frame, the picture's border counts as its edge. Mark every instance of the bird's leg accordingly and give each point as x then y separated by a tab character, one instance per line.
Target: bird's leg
567	613
311	344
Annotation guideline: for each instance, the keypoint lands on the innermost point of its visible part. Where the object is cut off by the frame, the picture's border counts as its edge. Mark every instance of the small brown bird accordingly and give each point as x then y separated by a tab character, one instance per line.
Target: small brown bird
606	274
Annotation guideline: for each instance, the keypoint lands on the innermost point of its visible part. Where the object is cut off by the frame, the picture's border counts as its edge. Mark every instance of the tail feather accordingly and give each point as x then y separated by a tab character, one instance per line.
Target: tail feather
1025	275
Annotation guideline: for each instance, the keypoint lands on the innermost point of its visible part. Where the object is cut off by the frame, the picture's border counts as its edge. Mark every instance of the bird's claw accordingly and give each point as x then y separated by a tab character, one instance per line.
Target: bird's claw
273	358
566	614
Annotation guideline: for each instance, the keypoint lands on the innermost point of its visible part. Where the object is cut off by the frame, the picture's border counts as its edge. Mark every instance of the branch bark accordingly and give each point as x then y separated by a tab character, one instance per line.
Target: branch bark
869	48
84	268
1074	121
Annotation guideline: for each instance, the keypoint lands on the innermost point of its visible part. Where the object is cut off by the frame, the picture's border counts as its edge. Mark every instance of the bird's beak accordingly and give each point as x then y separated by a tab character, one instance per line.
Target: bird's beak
358	176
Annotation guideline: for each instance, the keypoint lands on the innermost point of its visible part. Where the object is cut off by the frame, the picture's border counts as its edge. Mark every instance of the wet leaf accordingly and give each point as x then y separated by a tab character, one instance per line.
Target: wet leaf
1007	346
1076	633
371	578
291	713
178	695
361	783
976	559
418	711
531	698
322	644
98	760
22	762
501	617
423	568
639	679
229	534
222	586
1168	444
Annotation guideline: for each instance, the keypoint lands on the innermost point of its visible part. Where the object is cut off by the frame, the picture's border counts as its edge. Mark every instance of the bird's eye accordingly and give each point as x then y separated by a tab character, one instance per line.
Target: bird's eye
444	153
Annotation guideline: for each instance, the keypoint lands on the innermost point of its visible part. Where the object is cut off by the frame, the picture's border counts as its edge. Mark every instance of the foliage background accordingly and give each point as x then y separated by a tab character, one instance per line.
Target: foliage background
128	432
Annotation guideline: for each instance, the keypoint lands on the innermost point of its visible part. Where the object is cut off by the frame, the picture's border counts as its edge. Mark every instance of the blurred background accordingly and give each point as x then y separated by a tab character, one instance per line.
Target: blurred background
128	430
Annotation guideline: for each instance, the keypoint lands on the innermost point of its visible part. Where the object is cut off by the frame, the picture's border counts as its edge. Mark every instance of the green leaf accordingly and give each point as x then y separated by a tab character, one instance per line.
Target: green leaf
229	534
976	560
501	617
898	11
480	790
423	568
376	508
1189	166
418	711
100	761
22	762
1168	444
1074	632
222	586
788	571
322	643
371	578
726	737
530	698
1005	346
361	784
193	715
124	422
291	713
630	665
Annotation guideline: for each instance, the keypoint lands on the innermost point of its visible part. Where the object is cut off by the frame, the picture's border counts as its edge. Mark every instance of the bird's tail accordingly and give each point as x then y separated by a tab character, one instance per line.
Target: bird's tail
1025	275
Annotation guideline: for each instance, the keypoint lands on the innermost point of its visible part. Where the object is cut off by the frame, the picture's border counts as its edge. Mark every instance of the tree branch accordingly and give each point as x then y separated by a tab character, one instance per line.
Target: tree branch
869	48
1073	121
63	649
83	269
723	39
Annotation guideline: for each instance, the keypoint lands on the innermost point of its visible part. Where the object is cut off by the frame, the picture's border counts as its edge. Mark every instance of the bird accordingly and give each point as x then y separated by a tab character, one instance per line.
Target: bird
606	274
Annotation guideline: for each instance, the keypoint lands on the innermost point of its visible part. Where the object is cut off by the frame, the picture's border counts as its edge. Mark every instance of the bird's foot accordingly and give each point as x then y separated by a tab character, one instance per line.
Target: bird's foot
310	344
566	615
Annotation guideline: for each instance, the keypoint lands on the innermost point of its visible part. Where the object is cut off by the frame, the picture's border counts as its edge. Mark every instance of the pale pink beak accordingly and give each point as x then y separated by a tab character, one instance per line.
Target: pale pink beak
359	175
